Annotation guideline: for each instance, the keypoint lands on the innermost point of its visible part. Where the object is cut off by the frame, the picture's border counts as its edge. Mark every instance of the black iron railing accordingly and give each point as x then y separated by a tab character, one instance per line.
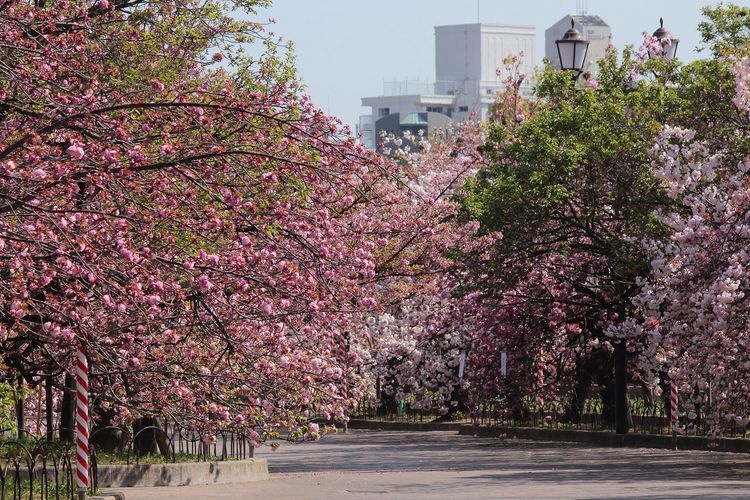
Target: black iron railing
646	415
39	468
32	468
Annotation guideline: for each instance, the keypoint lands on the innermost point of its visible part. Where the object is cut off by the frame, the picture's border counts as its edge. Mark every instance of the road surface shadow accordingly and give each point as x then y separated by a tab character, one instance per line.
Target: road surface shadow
380	451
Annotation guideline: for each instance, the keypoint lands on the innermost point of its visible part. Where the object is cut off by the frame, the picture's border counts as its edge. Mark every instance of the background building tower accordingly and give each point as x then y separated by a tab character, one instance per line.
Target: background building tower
466	82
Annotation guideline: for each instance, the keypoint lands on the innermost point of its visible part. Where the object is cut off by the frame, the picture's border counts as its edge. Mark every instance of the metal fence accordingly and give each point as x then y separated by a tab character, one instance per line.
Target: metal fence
33	469
223	445
646	415
39	468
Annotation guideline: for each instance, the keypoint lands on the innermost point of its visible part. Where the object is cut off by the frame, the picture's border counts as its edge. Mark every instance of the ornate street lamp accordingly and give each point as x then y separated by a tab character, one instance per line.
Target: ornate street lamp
571	50
668	44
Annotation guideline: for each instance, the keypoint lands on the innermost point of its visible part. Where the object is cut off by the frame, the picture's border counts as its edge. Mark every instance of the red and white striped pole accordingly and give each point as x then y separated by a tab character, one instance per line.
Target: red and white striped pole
674	400
82	423
674	403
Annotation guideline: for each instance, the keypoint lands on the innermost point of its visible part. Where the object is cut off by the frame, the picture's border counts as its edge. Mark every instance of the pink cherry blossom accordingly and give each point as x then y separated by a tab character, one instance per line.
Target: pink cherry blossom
75	151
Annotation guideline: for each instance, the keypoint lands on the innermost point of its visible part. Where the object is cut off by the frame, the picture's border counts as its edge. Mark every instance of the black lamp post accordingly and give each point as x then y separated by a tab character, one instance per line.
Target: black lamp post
571	50
668	44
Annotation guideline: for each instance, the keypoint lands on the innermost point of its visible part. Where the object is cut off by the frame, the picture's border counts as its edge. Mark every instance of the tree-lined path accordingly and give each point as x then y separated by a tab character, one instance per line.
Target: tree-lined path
436	465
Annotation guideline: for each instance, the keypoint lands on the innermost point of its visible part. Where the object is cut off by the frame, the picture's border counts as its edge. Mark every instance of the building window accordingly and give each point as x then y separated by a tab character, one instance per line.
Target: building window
463	109
384	111
434	109
449	112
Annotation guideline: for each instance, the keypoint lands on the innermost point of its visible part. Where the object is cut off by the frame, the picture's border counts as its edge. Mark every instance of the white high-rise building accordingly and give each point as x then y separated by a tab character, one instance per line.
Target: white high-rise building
467	57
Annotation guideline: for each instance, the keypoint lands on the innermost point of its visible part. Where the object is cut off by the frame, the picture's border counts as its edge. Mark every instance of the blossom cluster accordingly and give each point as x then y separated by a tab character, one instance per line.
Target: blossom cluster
692	323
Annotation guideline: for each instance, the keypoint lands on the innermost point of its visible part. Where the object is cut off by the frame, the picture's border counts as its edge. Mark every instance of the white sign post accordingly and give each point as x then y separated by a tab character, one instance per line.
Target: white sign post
461	363
504	363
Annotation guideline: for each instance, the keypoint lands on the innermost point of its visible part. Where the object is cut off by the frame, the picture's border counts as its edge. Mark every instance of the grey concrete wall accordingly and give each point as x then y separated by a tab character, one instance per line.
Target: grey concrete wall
183	474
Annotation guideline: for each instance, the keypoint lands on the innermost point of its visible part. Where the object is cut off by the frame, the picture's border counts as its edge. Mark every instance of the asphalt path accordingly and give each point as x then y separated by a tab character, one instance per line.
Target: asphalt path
444	465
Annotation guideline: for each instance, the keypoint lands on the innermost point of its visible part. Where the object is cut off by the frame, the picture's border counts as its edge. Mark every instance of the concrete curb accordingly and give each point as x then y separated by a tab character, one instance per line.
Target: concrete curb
594	438
108	495
404	426
612	440
182	474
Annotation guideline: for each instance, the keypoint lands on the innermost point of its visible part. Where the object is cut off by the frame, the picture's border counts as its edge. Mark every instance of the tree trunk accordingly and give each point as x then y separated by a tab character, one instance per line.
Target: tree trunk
68	410
453	411
48	409
104	437
144	439
578	401
607	393
622	422
20	422
163	443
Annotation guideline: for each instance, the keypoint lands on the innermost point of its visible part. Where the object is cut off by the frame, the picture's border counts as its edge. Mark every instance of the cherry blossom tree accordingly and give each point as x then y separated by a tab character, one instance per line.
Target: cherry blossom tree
553	337
196	227
568	184
416	351
413	347
693	321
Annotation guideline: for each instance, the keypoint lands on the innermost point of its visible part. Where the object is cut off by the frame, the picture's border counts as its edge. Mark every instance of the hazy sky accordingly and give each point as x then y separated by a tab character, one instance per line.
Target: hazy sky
346	48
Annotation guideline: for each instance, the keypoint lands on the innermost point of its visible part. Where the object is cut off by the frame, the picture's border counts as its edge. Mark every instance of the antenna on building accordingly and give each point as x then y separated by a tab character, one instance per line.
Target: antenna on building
477	11
582	7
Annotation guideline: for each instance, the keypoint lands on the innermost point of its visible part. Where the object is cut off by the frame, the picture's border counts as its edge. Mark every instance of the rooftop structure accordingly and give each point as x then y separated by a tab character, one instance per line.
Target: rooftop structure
466	79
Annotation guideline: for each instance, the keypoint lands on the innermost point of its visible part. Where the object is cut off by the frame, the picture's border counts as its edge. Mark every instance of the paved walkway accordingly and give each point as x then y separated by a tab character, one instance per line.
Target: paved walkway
443	465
